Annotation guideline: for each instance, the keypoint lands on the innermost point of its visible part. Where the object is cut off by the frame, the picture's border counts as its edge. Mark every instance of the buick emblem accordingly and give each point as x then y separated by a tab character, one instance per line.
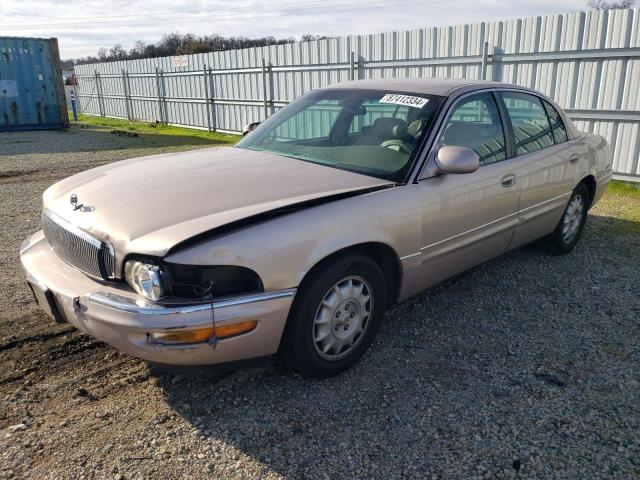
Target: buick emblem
74	202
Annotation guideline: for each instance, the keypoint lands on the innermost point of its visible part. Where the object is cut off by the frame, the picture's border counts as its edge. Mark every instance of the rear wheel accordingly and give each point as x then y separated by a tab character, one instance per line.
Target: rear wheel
567	233
336	316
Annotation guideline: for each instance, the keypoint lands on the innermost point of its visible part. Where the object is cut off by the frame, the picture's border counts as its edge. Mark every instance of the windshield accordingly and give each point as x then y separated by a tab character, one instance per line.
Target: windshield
372	132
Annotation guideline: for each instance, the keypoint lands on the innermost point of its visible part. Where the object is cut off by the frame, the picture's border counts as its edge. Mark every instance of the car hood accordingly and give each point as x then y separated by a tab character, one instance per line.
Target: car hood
149	204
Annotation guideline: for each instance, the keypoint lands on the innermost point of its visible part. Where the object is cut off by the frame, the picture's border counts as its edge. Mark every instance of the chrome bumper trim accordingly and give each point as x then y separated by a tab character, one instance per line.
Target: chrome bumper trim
142	307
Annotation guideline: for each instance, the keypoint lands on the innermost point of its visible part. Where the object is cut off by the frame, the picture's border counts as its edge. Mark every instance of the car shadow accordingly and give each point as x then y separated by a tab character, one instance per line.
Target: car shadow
470	356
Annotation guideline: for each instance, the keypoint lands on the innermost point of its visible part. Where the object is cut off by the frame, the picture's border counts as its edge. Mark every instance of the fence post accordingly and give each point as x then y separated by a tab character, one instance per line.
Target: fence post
159	90
127	99
361	64
214	108
271	83
264	89
99	93
352	73
207	99
75	91
485	58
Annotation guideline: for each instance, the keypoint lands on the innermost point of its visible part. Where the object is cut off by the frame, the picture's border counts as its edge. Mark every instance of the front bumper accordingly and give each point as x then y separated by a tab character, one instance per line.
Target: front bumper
119	317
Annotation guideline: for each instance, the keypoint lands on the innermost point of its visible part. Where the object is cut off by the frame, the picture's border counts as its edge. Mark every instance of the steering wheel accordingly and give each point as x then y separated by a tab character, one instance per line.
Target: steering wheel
397	145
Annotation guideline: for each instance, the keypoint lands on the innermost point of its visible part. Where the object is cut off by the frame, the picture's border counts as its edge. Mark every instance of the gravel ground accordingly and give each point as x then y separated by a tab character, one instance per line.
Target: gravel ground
524	367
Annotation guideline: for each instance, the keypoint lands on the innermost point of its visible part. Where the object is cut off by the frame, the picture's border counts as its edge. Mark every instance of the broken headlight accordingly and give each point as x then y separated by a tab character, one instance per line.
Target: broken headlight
156	280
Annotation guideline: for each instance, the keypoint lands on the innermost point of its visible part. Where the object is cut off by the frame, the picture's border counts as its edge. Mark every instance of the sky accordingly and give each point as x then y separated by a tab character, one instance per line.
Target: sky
82	27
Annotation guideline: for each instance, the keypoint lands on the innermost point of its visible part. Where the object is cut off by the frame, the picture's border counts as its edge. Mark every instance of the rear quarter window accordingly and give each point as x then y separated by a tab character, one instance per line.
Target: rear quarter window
557	125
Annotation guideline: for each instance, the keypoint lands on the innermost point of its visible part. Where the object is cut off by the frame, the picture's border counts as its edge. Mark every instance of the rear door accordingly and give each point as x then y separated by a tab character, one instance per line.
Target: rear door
470	218
548	163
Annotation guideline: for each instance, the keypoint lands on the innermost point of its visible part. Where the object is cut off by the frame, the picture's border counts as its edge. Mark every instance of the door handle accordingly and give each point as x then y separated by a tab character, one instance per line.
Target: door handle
574	158
508	180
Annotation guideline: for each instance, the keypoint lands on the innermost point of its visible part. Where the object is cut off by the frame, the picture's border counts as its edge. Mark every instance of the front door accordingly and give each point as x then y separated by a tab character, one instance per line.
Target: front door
470	218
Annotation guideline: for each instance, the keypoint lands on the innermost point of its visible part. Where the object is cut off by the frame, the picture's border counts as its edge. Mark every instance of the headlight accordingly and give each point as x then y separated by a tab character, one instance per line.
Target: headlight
156	280
149	280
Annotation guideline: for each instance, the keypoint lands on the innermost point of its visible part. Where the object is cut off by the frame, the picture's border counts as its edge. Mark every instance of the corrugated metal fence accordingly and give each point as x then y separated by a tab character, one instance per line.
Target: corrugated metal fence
589	62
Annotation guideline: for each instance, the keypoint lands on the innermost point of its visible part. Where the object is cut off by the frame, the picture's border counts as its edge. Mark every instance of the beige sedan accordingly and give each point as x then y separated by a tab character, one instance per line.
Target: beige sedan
295	241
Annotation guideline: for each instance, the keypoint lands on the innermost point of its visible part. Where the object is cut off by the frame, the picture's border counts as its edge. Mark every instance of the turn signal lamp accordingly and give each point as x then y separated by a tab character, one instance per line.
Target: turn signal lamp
201	335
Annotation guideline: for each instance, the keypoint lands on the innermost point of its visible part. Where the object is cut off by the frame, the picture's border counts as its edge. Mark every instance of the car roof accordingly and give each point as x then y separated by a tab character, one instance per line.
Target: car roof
429	86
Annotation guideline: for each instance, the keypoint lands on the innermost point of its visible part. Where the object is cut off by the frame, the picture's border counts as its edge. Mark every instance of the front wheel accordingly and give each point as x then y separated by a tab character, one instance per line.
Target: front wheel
335	317
567	232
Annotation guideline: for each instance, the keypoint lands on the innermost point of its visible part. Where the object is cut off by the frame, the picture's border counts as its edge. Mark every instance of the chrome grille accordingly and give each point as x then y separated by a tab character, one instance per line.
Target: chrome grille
77	248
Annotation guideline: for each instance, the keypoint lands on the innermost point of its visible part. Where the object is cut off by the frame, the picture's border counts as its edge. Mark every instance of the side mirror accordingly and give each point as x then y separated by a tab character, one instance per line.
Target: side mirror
249	128
453	159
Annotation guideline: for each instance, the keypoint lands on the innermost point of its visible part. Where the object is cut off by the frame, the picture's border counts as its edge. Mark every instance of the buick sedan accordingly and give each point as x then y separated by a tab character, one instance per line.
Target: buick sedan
295	241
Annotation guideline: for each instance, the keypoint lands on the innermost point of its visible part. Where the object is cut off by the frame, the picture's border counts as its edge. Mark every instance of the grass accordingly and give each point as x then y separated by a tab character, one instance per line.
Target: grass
618	187
143	128
622	203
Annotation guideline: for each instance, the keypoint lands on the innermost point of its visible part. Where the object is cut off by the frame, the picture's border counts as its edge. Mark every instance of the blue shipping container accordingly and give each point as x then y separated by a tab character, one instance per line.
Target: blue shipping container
31	87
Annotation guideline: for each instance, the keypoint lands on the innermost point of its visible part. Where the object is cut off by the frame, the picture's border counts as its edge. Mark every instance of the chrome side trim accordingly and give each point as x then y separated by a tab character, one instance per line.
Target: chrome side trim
407	257
142	307
531	207
467	232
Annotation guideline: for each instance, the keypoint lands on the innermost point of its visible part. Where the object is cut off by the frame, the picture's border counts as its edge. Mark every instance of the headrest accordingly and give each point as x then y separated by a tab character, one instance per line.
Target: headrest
386	124
389	127
415	128
400	131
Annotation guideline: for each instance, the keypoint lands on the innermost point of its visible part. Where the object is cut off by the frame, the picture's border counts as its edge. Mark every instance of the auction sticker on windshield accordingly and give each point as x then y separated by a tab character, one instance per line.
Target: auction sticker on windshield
408	100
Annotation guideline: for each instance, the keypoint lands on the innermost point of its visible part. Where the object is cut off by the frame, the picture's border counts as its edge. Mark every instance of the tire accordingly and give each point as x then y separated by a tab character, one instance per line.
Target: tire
332	324
567	233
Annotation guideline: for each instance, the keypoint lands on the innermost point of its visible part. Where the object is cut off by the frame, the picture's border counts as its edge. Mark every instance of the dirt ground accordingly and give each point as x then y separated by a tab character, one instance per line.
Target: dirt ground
524	367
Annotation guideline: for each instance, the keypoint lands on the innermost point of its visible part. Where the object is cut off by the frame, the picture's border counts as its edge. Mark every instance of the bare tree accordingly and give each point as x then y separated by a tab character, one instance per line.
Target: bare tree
308	37
604	5
103	54
176	43
117	52
138	50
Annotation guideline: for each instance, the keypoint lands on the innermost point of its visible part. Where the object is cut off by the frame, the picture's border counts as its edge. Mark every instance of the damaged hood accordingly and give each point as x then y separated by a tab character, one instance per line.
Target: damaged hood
147	205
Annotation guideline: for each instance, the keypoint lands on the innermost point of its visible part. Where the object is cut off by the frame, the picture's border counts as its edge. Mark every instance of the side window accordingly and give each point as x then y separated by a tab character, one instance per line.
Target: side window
557	125
530	123
475	124
314	122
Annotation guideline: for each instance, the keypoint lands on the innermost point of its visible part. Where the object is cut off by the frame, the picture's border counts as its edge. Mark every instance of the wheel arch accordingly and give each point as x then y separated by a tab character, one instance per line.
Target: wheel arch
381	253
590	182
